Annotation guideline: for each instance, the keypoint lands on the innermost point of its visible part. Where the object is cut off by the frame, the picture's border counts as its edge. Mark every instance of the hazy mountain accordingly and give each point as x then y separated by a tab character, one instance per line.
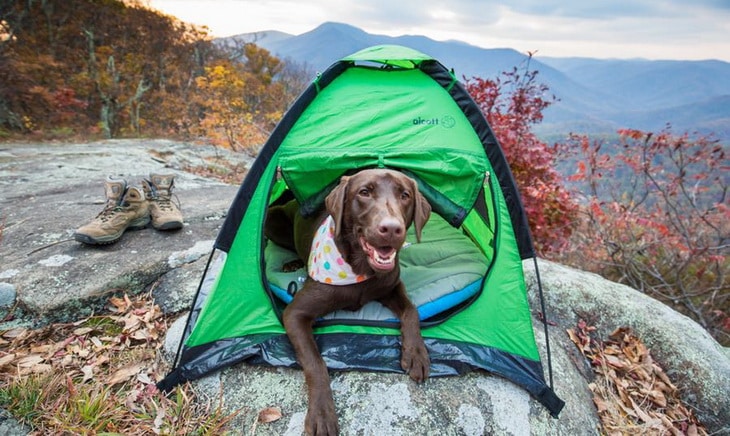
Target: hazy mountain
596	96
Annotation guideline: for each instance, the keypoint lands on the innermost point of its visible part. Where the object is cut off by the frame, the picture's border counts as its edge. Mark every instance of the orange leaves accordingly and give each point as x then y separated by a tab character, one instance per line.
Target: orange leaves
266	416
632	394
240	103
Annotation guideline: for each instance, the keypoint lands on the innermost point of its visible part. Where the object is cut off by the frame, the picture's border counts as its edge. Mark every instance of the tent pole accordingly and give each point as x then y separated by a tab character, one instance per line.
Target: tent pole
544	321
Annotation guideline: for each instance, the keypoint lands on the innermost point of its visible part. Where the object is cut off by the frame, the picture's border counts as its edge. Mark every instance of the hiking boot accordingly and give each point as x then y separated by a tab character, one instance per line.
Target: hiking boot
165	214
126	208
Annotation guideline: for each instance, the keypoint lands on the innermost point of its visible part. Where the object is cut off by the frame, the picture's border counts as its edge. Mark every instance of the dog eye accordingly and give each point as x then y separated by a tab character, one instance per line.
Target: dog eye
364	192
405	195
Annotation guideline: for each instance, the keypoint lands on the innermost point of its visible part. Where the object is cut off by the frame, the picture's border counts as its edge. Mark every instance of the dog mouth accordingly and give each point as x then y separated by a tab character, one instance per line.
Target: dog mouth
379	258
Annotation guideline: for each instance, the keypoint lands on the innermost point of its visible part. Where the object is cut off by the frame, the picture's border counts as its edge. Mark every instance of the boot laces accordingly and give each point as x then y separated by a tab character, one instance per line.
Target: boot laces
165	201
111	208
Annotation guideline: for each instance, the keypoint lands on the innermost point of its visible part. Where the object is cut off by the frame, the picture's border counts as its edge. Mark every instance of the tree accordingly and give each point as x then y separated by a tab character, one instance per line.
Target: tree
242	101
80	64
655	216
119	68
512	104
225	111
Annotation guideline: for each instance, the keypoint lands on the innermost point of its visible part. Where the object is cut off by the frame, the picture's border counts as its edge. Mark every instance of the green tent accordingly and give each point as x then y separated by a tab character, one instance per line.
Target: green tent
388	107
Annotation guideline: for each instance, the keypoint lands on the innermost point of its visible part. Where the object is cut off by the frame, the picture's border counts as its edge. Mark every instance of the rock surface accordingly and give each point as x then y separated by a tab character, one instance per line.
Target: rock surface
47	191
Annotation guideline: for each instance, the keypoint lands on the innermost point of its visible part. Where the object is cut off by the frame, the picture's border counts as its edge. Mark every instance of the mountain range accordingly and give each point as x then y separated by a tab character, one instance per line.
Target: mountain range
595	96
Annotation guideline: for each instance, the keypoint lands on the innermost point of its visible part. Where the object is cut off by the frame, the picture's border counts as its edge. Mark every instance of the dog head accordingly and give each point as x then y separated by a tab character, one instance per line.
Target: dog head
372	210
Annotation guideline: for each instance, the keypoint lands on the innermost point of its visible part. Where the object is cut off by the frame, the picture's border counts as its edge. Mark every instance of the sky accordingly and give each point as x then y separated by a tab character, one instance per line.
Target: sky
650	29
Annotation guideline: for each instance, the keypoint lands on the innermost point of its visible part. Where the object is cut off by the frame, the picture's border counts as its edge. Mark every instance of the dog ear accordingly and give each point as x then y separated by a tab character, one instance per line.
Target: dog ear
421	211
335	203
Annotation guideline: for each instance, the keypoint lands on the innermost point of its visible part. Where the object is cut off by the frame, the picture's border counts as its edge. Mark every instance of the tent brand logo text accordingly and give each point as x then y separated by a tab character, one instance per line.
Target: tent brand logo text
446	121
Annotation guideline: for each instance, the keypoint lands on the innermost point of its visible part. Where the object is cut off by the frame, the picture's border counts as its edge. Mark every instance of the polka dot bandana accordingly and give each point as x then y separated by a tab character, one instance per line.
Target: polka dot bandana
326	264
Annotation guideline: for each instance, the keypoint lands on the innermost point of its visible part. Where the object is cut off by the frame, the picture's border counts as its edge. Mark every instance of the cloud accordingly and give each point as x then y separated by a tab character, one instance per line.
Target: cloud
674	29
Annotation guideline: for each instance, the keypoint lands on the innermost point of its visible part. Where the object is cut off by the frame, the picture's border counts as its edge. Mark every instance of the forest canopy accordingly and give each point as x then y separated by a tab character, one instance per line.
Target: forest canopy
112	68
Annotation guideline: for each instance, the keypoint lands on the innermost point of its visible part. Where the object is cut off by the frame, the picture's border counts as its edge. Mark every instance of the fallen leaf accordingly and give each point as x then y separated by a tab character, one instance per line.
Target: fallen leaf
131	398
88	372
121	304
101	360
269	414
28	361
615	361
144	378
140	335
14	333
41	349
97	342
41	368
125	373
81	331
131	323
6	359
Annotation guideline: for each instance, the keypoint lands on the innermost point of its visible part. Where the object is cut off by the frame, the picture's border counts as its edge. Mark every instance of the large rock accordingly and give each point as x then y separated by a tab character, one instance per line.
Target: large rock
391	404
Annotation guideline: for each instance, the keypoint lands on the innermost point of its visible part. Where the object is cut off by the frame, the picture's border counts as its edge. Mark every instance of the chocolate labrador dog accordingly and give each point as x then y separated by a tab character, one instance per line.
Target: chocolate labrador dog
352	248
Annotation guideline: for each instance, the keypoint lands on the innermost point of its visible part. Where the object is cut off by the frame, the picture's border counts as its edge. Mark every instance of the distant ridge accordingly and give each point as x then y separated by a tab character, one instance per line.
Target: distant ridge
597	96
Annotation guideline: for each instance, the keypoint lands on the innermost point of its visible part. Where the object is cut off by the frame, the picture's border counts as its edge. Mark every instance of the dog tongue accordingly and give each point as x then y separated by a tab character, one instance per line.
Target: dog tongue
383	258
380	258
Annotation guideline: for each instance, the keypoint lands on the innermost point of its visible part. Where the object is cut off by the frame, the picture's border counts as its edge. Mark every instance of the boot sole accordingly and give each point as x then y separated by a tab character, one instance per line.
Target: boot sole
172	225
137	224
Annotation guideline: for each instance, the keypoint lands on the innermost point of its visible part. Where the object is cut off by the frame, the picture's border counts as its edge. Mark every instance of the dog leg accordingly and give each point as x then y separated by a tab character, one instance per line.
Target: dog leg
321	417
414	356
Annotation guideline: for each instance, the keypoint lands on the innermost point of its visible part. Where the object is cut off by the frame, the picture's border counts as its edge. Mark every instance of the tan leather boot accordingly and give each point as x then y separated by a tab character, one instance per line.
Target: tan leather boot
126	209
165	213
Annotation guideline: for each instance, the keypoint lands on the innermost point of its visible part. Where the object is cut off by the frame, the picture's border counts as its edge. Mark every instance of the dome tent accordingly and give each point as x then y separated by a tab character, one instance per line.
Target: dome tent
382	107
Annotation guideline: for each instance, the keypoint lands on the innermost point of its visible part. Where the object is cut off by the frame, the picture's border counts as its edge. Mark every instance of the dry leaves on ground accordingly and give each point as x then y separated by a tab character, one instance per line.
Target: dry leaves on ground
632	393
116	355
88	347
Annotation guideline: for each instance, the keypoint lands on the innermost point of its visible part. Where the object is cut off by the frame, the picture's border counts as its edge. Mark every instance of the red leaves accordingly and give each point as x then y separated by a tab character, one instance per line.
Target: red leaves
512	104
655	217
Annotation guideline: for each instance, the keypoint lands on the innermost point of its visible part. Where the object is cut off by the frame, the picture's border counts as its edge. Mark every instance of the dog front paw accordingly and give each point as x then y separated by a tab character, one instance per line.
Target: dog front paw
415	362
321	420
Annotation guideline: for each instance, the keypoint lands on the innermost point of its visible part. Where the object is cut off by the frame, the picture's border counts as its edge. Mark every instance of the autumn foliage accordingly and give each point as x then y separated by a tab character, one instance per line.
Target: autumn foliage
646	209
655	216
111	68
512	104
241	101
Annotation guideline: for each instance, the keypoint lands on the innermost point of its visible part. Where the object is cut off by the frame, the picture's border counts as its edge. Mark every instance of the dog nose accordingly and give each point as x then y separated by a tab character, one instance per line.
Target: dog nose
390	227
